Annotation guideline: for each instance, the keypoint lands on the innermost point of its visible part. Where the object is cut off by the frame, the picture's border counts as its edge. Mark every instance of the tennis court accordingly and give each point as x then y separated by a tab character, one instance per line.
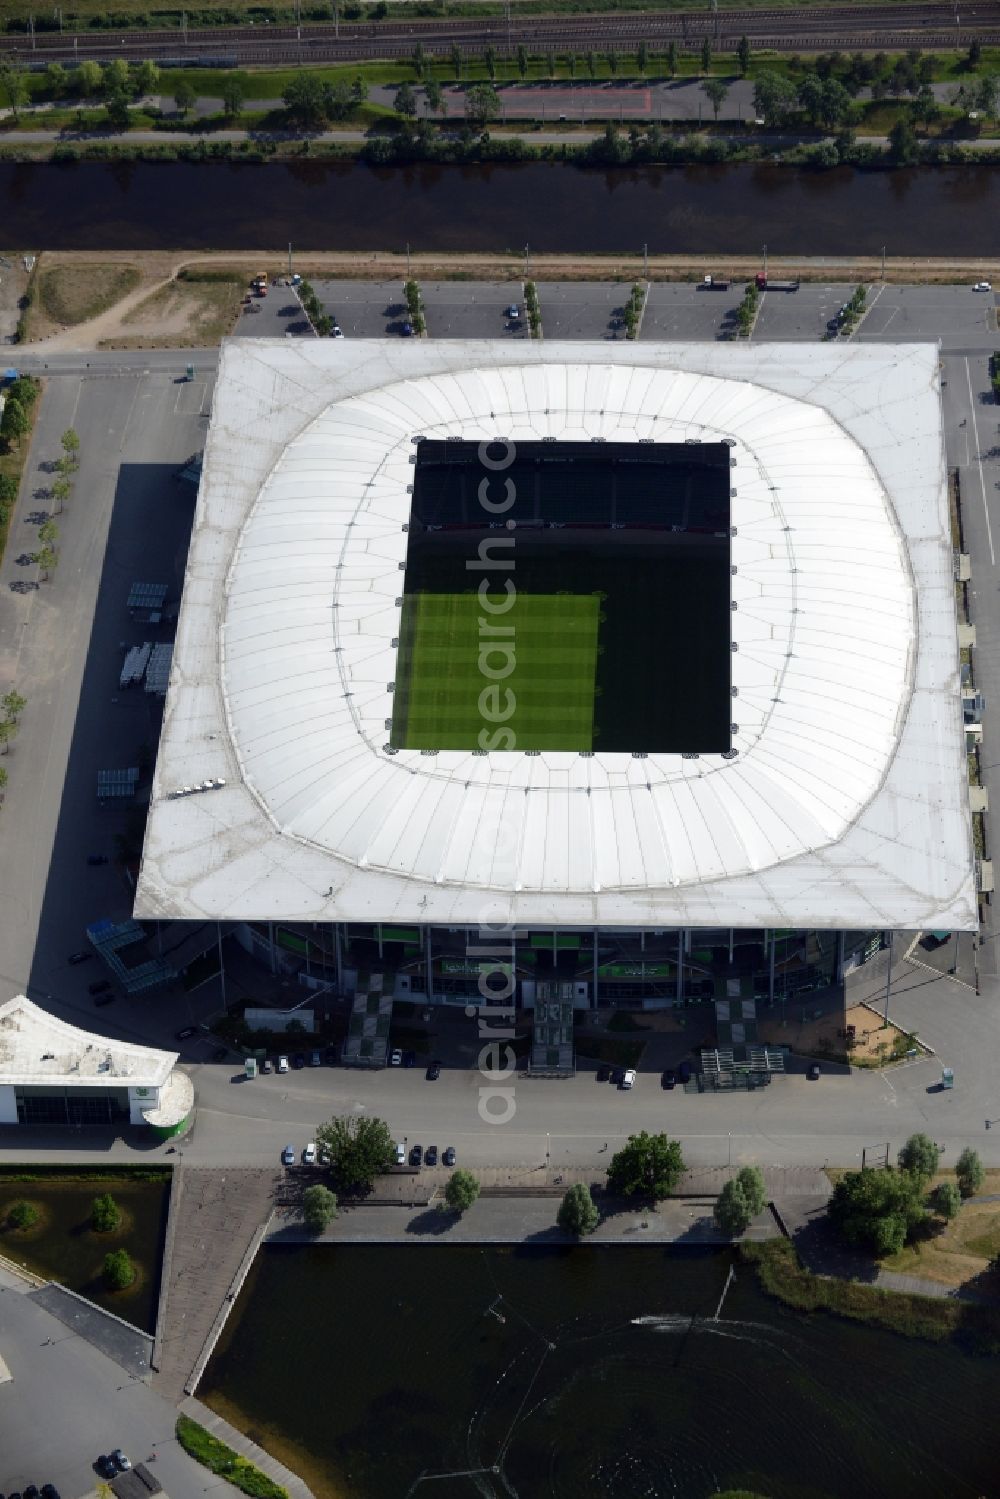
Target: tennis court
446	662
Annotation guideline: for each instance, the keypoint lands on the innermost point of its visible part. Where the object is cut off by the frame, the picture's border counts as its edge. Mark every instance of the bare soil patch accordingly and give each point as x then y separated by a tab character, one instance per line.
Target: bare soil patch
180	314
72	294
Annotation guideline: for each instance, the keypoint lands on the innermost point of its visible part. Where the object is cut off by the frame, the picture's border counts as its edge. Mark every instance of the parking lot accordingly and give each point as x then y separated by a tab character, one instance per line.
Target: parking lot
273	316
681	310
583	309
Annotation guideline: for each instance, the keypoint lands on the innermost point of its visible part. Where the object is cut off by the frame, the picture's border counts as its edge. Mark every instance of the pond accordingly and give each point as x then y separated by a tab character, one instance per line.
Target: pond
578	1373
63	1246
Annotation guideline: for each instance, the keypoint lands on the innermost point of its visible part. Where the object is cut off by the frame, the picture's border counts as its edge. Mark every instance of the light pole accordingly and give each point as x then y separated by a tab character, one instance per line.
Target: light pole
888	983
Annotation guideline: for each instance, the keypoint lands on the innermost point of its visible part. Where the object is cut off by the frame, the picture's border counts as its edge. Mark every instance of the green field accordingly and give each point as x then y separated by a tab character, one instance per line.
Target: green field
439	702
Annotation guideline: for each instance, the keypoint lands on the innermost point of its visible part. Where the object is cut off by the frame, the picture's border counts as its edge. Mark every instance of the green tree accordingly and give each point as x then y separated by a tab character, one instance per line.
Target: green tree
184	95
647	1166
578	1213
461	1191
116	109
104	1214
359	92
482	104
925	107
8	728
70	443
87	77
48	533
147	78
522	61
550	63
974	55
433	96
919	1156
743	56
969	1172
233	94
24	389
418	60
119	1270
13	704
56	79
305	97
14	422
592	64
773	98
985	95
706	54
613	61
405	103
13	85
319	1208
671	59
642	59
732	1211
3	782
716	90
878	1209
947	1200
490	58
904	147
8	490
22	1215
359	1150
116	78
751	1180
456	61
339	99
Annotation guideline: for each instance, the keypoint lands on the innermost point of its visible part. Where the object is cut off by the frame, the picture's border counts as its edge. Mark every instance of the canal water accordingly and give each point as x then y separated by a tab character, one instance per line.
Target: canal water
551	207
586	1373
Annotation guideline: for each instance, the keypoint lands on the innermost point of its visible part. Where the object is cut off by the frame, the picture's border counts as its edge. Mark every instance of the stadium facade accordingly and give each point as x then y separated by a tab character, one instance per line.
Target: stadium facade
410	702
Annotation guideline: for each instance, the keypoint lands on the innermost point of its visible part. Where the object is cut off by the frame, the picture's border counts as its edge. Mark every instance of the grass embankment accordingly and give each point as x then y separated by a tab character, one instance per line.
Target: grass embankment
70	295
218	1458
13	457
935	1320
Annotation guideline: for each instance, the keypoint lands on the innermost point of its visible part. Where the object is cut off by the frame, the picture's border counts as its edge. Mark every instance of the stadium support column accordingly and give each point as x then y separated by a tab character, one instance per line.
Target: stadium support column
732	935
429	961
841	944
770	972
378	928
595	1001
340	958
680	965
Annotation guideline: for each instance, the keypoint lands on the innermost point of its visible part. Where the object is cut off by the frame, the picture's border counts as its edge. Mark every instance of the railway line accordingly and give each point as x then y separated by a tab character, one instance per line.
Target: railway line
823	28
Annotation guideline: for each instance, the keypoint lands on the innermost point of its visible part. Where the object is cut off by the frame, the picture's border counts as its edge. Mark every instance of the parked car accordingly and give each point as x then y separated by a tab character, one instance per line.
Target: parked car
396	1059
513	312
400	1154
416	1155
97	858
324	1158
983	286
669	1079
288	1156
315	1060
49	1491
282	1064
298	1061
100	987
336	331
265	1065
814	1070
449	1156
105	1466
684	1072
185	1033
309	1154
433	1072
628	1078
31	1492
409	1057
79	957
431	1157
120	1461
603	1072
617	1073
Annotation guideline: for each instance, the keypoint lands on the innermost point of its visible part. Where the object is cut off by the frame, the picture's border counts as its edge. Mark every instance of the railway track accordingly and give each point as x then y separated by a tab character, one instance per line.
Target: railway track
821	29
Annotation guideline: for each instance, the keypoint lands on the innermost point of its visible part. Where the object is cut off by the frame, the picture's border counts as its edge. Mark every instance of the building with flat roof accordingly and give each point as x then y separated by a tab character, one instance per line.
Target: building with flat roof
52	1072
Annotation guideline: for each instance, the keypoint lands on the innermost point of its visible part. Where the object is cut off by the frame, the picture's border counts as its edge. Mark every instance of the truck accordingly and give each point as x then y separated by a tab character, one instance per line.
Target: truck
715	283
765	283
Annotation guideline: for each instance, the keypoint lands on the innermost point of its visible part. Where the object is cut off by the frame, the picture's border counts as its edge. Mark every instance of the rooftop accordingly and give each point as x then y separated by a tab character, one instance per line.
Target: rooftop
37	1048
286	788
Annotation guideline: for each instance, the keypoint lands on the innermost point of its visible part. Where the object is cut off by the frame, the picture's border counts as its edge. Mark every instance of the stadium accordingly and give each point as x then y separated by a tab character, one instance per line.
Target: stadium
645	655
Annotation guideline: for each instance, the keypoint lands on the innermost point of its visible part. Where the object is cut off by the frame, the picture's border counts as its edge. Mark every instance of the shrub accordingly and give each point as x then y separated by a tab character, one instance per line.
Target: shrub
577	1213
22	1215
319	1207
969	1172
732	1211
947	1200
104	1215
461	1191
919	1156
119	1270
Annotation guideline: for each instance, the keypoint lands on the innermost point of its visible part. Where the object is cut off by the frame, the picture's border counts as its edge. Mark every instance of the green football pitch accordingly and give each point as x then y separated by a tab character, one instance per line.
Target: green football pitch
445	655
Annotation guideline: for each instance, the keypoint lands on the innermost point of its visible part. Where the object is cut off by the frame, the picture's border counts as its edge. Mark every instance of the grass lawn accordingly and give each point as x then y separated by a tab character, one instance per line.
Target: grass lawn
441	680
12	461
69	295
962	1249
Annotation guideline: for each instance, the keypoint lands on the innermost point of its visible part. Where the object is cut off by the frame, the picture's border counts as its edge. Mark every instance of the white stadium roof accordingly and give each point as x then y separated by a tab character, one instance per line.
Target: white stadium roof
38	1049
846	802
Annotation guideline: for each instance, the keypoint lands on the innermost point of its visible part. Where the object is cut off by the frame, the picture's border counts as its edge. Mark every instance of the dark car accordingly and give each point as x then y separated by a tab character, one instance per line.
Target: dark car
315	1060
97	858
298	1061
813	1072
409	1057
49	1491
416	1155
31	1492
79	957
101	987
434	1072
616	1076
185	1033
106	1467
684	1072
431	1158
603	1072
669	1079
107	998
449	1156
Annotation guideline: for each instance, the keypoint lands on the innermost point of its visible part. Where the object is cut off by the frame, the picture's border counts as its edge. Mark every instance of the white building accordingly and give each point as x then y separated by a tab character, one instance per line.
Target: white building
843	802
54	1073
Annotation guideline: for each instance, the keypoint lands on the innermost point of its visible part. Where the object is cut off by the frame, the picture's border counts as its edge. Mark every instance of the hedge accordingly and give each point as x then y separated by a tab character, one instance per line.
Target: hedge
218	1458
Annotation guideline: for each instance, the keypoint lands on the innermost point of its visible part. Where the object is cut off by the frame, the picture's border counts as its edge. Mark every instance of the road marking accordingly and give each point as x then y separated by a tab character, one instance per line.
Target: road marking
979	461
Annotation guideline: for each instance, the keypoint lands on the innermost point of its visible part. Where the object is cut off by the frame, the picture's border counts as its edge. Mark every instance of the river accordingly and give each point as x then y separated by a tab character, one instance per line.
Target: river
586	1373
554	208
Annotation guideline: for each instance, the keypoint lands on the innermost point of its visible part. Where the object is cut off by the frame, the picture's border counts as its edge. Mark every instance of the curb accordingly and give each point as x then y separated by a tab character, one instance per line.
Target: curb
173	1212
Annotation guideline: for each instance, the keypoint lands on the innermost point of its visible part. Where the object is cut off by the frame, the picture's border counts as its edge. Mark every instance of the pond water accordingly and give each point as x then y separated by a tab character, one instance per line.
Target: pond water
62	1245
347	205
553	1373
